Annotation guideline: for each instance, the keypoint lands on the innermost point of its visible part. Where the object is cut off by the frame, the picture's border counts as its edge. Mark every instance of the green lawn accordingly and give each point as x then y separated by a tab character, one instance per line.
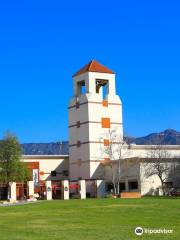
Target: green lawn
90	219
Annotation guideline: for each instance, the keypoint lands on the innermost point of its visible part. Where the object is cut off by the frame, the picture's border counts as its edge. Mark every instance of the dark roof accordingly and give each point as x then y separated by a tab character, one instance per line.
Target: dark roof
93	66
53	148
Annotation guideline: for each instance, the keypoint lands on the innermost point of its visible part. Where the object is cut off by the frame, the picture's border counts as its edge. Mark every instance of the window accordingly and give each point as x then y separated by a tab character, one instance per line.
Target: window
105	122
168	184
53	173
78	143
65	173
77	105
102	87
105	103
81	88
109	187
106	142
122	186
133	185
104	91
106	159
79	162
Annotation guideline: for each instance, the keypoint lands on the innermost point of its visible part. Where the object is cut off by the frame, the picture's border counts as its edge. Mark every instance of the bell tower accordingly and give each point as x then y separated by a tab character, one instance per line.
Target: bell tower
94	110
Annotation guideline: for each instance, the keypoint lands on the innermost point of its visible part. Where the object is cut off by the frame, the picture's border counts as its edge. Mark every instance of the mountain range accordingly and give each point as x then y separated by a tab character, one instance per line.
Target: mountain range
167	137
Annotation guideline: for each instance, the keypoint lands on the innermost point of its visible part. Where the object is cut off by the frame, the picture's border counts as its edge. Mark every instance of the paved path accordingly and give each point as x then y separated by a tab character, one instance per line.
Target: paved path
15	204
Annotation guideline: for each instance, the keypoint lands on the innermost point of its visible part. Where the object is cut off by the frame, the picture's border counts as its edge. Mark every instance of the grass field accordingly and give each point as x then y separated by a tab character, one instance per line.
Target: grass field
91	219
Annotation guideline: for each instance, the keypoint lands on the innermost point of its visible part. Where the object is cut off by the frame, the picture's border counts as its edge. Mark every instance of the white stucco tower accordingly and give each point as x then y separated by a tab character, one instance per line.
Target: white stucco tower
94	110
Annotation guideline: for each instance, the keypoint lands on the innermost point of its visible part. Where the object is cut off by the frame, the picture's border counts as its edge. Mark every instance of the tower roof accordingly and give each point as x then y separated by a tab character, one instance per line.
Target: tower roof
93	66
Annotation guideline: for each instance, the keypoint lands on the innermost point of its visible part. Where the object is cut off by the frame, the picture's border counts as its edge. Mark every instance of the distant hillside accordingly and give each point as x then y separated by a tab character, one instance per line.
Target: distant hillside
168	137
53	148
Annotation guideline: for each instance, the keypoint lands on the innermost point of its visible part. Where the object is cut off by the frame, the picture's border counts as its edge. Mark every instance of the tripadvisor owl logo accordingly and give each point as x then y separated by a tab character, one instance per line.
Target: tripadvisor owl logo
138	231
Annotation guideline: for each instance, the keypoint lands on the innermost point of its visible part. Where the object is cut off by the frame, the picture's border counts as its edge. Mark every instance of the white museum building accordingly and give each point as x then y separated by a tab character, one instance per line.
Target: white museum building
97	149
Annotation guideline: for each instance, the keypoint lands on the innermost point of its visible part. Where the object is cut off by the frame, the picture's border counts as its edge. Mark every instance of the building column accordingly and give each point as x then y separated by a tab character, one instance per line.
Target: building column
48	190
65	190
100	188
30	185
82	189
12	191
126	186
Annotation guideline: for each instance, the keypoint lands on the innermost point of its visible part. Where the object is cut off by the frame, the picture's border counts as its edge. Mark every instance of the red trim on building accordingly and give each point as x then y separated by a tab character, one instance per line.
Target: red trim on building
93	66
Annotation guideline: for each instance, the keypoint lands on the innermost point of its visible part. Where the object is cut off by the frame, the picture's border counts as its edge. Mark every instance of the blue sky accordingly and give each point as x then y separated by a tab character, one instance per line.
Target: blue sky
42	43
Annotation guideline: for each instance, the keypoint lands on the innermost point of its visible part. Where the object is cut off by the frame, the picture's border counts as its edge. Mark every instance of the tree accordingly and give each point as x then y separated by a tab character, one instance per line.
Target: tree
11	167
116	150
158	163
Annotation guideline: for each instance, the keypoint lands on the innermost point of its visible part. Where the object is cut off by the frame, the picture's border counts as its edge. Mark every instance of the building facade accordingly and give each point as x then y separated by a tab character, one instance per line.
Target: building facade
95	114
